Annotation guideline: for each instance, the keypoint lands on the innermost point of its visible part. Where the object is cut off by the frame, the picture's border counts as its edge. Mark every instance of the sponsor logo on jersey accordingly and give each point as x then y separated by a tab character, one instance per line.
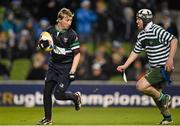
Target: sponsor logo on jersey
65	40
151	42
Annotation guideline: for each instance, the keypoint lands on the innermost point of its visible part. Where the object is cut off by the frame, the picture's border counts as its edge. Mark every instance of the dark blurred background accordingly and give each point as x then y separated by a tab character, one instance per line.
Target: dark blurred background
106	28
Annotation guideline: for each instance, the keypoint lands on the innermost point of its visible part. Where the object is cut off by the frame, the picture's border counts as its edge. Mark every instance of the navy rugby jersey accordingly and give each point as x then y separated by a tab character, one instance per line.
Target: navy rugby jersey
65	42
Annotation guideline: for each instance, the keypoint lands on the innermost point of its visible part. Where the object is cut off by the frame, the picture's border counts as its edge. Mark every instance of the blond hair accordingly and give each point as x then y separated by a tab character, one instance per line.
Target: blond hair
64	12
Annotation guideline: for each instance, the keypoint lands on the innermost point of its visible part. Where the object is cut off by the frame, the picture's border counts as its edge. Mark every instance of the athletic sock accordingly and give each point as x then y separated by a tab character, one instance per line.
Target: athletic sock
162	97
167	117
164	111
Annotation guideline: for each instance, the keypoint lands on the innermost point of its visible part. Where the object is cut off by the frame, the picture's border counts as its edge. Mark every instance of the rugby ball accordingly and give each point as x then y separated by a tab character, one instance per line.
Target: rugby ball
47	36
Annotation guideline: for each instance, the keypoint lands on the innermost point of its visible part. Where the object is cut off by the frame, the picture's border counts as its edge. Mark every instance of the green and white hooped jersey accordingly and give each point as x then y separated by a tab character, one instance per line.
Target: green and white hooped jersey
65	42
156	43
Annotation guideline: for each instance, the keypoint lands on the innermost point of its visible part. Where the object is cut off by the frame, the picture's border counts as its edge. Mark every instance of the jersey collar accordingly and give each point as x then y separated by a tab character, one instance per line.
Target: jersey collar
59	30
148	26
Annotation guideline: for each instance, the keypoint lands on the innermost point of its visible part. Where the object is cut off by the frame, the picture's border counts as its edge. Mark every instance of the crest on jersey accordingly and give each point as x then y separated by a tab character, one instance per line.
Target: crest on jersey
151	42
65	40
61	85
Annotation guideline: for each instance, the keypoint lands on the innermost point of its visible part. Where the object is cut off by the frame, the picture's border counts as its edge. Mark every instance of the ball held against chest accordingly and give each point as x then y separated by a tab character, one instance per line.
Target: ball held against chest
46	36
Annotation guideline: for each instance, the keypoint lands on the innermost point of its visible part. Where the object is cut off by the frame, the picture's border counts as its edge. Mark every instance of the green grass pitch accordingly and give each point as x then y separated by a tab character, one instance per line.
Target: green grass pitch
86	116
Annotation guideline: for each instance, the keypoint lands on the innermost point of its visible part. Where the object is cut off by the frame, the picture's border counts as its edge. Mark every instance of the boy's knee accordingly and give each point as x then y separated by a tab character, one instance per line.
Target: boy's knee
57	94
140	87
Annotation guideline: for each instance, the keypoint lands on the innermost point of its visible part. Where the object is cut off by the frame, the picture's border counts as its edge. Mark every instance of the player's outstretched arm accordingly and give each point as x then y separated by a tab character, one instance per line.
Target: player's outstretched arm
130	59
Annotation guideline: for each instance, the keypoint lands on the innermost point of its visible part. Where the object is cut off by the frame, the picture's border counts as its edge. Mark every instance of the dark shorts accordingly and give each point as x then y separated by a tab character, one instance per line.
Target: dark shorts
154	76
59	73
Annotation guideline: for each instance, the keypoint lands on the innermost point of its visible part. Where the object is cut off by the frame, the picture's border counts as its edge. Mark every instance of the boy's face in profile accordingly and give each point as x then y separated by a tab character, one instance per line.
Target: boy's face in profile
139	23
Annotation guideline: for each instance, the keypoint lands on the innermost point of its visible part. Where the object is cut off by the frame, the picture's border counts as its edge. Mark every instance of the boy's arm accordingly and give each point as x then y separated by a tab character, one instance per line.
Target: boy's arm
173	47
130	59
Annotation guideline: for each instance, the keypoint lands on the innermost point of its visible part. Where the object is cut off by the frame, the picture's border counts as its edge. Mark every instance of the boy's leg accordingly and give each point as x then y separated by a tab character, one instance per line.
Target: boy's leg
163	109
60	91
47	98
62	86
60	94
145	87
151	80
167	118
160	99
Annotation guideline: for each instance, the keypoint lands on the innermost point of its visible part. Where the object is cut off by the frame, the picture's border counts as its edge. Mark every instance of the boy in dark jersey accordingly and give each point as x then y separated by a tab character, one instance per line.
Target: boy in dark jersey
62	65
